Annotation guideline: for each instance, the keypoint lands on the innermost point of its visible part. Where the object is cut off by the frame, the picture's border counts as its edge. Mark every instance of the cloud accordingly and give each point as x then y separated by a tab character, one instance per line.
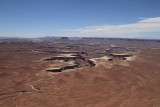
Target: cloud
26	35
144	28
138	29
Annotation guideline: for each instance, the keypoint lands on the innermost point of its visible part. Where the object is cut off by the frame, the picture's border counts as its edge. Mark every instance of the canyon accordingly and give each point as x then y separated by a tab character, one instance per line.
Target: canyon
91	72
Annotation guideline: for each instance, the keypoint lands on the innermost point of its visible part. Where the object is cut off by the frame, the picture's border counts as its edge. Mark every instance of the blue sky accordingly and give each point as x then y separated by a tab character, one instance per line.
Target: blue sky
80	18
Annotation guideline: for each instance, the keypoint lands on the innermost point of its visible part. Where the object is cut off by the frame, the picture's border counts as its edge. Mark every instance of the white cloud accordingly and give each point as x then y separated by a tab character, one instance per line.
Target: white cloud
144	28
150	25
26	35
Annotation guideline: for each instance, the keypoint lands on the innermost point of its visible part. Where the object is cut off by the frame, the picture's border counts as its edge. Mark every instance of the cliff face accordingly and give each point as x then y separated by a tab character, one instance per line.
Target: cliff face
120	53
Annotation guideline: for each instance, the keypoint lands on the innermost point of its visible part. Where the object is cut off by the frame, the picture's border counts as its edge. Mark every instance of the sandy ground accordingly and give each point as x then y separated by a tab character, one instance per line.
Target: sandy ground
25	83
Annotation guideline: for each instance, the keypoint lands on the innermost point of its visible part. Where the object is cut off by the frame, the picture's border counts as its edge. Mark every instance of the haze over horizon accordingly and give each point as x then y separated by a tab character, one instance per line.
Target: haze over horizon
80	18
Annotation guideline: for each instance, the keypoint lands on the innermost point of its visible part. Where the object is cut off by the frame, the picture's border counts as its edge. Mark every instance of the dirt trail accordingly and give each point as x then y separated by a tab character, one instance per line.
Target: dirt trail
33	88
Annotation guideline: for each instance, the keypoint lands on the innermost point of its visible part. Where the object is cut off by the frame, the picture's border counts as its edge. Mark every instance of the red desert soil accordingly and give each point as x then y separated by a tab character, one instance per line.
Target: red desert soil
25	83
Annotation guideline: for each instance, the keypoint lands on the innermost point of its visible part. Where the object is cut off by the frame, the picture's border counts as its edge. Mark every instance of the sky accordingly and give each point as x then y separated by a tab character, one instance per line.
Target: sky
80	18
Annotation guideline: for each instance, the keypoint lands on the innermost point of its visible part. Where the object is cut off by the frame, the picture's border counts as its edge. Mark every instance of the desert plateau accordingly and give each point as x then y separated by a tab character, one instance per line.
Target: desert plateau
85	72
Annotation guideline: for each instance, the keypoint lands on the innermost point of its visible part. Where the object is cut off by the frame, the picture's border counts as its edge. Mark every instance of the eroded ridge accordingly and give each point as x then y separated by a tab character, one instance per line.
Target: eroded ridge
116	53
71	59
